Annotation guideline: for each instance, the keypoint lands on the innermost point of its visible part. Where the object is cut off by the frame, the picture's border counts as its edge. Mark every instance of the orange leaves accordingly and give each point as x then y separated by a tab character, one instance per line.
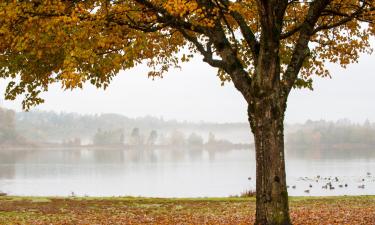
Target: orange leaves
332	210
191	11
340	36
99	38
181	8
247	8
71	80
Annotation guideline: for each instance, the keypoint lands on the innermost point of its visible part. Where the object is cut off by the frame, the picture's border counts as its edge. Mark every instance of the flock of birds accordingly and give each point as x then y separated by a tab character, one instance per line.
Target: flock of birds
329	185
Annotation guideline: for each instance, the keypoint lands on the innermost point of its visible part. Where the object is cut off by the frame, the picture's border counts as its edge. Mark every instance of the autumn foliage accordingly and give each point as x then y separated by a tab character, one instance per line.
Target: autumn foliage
73	42
304	211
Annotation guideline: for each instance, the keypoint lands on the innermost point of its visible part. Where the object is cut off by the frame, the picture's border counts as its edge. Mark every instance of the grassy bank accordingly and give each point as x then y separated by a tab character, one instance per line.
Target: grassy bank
128	210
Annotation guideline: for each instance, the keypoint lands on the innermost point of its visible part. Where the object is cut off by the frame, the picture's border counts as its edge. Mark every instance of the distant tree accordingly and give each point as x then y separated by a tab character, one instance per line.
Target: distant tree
367	123
122	138
8	133
216	144
77	141
152	138
177	138
331	134
99	138
135	137
195	140
73	142
113	137
211	138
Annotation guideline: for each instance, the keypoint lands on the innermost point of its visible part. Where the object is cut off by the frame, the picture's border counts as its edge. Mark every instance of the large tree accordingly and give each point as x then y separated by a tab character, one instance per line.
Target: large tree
265	47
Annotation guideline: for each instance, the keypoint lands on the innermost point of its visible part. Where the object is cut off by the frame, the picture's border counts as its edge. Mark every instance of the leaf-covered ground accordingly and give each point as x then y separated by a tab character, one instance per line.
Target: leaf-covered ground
309	210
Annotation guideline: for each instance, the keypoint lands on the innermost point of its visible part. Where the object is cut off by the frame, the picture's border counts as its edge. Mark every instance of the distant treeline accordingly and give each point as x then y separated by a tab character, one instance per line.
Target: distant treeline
174	139
322	138
71	129
331	133
38	127
8	134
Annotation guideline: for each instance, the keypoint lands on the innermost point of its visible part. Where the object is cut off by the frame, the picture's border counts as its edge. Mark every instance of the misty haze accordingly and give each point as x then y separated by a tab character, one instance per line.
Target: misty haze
187	112
60	154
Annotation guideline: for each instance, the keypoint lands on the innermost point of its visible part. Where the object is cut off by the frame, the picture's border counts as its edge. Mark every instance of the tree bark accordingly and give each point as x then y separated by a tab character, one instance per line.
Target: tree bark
266	117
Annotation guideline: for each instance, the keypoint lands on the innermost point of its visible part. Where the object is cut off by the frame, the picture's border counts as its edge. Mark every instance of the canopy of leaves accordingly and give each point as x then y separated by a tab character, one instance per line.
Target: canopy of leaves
73	42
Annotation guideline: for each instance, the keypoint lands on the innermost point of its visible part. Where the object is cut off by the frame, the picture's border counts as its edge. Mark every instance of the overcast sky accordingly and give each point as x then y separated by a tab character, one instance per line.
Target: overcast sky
194	94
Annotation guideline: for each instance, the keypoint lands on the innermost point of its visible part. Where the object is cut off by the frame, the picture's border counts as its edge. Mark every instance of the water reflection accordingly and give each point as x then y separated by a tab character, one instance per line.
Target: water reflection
170	173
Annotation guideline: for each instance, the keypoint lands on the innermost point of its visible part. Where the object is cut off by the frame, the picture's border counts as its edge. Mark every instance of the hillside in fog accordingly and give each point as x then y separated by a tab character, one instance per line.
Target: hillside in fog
312	138
51	127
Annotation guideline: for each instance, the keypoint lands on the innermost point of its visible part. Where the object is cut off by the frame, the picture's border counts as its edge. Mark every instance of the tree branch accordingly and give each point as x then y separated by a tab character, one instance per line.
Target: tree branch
330	12
291	32
207	54
246	32
164	17
347	18
301	50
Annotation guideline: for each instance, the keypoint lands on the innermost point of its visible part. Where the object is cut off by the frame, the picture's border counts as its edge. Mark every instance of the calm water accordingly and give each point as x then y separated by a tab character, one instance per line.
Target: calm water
169	173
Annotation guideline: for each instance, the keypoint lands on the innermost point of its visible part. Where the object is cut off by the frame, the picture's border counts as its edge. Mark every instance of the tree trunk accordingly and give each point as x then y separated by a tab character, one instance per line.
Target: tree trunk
266	117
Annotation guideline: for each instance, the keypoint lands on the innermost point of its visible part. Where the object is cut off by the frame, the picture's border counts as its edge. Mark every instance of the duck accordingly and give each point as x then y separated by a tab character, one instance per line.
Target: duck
361	186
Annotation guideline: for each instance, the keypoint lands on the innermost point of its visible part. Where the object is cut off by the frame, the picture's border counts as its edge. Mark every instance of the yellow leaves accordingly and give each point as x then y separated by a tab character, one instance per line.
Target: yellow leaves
117	60
39	54
181	8
341	44
236	6
69	76
72	42
190	10
184	58
71	80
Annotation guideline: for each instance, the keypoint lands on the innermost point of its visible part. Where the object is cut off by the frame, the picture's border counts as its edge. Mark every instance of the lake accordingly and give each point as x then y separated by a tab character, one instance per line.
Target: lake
170	173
